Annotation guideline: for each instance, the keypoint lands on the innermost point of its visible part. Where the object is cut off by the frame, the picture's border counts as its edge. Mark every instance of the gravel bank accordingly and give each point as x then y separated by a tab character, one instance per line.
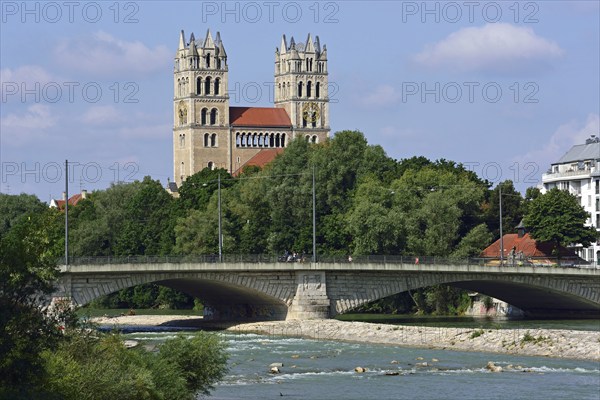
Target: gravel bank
584	345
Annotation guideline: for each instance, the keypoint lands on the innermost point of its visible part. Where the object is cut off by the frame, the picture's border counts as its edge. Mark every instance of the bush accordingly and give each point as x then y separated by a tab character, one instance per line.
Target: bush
90	367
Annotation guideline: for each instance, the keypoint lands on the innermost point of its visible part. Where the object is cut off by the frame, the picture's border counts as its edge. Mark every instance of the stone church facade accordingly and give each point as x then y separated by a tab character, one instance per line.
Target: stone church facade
208	132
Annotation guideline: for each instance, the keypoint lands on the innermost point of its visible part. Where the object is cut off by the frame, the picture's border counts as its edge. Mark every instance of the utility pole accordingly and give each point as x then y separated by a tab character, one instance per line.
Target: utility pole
220	228
501	235
66	213
314	217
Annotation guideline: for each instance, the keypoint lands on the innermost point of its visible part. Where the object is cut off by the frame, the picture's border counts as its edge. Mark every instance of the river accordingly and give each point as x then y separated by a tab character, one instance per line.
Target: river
323	369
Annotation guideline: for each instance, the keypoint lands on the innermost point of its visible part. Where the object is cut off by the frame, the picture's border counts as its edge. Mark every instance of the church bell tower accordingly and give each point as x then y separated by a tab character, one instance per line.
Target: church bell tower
200	106
301	87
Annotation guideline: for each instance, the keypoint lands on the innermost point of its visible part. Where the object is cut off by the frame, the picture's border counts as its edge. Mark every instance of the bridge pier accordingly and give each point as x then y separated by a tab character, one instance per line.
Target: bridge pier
311	300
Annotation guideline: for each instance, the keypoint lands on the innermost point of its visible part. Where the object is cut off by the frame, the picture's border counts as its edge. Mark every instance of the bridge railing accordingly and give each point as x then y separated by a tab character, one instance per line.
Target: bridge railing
332	259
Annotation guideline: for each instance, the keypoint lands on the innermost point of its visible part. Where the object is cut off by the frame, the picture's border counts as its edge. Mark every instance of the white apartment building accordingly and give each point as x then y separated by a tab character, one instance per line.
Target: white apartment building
578	171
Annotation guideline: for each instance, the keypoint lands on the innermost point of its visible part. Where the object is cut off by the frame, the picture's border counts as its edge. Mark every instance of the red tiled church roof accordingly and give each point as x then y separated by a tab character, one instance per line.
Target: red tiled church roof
260	159
526	244
259	117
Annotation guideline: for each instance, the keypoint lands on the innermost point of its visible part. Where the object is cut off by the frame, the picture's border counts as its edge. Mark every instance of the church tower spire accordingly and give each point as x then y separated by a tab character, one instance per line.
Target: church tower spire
301	83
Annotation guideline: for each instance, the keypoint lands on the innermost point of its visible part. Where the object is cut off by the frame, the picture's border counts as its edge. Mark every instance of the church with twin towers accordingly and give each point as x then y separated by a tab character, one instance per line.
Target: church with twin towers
208	132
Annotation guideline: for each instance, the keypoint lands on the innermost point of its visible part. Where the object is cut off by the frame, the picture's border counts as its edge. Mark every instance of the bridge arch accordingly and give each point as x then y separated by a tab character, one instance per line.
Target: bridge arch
535	295
228	296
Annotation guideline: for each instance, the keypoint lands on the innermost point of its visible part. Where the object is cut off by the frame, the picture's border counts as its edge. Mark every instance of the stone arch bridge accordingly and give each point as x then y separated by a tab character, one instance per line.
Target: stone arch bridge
279	290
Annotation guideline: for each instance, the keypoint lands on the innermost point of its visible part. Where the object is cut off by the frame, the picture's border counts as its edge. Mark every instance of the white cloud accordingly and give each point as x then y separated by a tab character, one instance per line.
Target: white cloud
383	95
102	115
497	47
31	79
18	129
565	136
105	55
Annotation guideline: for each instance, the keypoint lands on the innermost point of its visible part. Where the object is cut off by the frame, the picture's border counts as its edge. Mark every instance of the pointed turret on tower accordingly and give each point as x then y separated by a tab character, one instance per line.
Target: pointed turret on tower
301	86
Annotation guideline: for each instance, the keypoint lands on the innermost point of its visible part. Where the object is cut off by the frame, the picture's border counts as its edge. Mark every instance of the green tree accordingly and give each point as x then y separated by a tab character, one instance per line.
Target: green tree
473	243
97	222
28	253
557	217
197	189
439	204
148	226
512	209
12	208
375	226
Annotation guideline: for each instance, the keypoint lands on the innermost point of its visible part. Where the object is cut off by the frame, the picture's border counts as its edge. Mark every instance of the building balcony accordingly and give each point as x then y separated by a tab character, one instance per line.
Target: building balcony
567	175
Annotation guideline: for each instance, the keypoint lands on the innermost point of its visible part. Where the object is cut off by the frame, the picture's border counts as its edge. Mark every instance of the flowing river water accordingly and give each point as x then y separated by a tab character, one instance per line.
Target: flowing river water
325	369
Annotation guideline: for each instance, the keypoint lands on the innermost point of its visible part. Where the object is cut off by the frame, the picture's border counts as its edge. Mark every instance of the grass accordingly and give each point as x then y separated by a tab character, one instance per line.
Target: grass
476	333
529	338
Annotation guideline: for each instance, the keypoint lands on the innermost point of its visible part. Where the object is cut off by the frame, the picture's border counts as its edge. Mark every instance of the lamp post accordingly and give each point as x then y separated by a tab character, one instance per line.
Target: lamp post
219	206
501	235
314	208
66	213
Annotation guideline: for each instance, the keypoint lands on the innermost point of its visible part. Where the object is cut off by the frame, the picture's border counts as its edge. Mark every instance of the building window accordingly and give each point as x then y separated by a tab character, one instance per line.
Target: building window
213	116
211	165
208	60
597	186
597	220
217	81
590	256
206	139
203	116
300	89
213	140
308	89
318	90
207	86
198	85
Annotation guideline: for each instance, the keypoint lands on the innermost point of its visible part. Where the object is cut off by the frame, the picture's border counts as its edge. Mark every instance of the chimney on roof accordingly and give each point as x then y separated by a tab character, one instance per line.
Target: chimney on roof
84	194
521	229
64	196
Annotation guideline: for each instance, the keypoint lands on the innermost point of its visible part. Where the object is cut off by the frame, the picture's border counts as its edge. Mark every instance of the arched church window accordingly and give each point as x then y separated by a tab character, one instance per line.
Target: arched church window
213	140
213	116
300	84
206	137
199	85
211	165
203	116
318	90
207	85
308	89
283	140
217	82
218	63
208	60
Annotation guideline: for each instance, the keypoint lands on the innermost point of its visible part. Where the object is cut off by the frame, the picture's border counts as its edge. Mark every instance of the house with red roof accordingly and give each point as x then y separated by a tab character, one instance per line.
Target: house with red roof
210	133
73	200
521	249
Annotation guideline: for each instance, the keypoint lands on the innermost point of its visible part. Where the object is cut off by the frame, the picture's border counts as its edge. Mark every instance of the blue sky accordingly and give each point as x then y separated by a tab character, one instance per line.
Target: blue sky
503	87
